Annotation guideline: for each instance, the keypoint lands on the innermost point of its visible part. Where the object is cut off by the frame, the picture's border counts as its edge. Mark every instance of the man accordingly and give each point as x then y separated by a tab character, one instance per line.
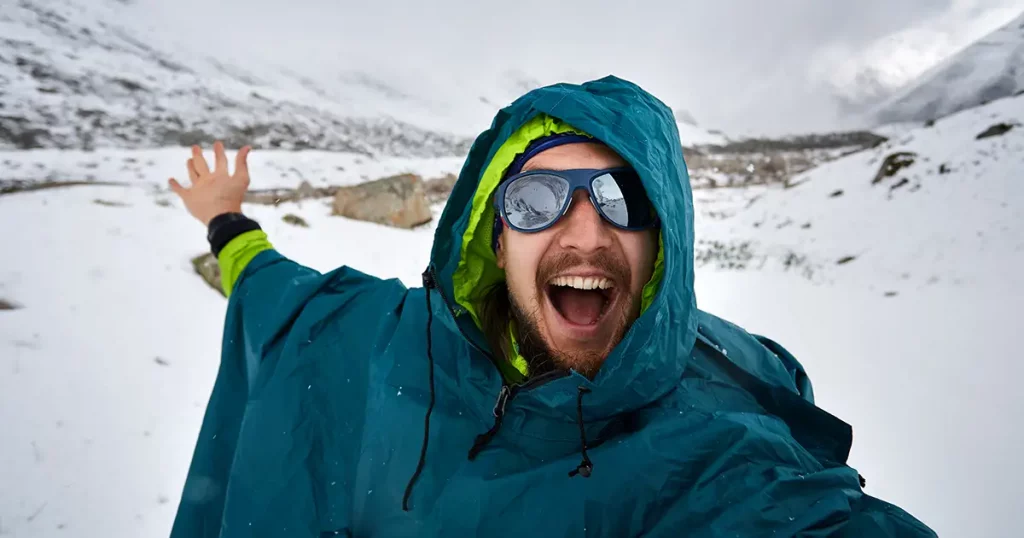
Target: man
553	377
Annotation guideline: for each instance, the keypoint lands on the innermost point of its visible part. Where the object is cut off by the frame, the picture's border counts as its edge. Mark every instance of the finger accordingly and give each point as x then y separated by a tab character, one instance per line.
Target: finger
199	161
175	186
241	162
220	160
193	175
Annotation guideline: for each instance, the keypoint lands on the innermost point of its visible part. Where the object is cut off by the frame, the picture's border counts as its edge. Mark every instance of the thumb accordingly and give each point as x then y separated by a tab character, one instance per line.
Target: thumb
241	164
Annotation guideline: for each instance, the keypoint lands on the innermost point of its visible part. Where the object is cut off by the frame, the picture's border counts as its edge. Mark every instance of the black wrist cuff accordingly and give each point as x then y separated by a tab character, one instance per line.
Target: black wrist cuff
225	227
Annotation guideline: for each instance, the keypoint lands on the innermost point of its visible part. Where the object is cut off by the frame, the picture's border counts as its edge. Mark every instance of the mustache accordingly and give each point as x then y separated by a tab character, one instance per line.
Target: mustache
561	262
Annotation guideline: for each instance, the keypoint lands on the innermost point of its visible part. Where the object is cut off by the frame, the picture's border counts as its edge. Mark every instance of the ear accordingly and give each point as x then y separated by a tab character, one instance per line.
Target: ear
500	251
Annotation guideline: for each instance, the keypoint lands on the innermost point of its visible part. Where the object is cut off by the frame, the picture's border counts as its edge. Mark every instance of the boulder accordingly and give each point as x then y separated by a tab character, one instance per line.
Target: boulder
397	201
439	188
206	266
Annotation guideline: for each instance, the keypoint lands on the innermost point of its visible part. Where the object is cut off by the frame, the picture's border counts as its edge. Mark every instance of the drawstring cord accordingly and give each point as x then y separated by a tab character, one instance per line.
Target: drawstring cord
586	466
428	283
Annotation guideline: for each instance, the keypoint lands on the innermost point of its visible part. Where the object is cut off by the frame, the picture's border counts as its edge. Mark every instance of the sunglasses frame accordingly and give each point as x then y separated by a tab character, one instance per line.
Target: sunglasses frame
581	178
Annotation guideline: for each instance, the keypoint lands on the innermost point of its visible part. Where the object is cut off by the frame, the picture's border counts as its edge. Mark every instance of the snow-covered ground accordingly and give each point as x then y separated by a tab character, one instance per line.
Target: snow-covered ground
152	167
106	366
953	217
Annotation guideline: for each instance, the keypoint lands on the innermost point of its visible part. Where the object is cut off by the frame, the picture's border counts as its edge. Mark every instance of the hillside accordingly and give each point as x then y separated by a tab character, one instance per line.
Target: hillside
951	202
989	69
79	75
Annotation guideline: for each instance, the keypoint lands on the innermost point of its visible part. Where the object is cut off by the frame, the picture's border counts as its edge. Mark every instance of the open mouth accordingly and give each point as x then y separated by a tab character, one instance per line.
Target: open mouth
581	300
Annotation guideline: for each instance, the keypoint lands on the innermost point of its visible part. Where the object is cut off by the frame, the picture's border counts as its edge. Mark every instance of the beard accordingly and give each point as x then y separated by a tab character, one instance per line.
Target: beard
541	356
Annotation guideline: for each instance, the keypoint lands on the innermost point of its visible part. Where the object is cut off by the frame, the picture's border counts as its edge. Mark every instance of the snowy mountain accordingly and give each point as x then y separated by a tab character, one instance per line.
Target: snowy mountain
80	75
991	68
84	75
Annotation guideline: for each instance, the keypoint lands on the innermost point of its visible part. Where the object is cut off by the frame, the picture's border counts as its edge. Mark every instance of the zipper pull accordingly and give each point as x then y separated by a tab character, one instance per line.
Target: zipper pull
428	279
503	397
499	413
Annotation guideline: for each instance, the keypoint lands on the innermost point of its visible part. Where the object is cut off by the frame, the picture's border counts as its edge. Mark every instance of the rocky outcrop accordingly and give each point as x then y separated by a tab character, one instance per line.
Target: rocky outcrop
893	164
206	267
438	188
398	201
761	161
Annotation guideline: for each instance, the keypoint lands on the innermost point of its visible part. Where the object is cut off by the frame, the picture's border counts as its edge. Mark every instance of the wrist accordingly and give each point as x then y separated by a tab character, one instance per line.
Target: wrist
208	219
221	216
225	227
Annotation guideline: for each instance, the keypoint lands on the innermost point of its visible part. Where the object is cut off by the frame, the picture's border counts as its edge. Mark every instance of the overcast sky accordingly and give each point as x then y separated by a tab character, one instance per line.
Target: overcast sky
743	66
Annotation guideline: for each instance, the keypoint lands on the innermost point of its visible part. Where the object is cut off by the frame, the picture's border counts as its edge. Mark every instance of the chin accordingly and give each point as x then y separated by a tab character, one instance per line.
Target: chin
585	357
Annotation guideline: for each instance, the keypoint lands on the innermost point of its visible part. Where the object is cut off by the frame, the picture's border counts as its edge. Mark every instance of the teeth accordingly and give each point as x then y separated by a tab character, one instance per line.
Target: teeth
583	283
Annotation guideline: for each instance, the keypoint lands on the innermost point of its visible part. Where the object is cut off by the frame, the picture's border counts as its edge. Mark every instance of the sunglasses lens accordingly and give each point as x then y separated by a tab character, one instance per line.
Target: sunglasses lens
621	198
535	201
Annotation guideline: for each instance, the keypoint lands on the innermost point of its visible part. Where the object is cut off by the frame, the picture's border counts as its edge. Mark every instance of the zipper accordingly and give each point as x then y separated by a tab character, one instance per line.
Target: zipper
508	392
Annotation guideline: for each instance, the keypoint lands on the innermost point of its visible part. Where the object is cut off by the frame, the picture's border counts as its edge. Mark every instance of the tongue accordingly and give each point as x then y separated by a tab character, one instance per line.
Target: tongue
581	307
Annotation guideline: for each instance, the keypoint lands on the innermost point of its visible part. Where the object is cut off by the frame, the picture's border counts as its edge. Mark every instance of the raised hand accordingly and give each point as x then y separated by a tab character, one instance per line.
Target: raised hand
217	192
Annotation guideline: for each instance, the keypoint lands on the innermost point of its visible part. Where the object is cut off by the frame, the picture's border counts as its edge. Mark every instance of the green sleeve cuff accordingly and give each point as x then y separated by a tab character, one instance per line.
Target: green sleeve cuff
237	254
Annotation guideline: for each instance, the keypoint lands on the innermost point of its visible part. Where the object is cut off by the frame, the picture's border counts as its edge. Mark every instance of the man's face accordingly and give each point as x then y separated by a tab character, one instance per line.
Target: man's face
576	328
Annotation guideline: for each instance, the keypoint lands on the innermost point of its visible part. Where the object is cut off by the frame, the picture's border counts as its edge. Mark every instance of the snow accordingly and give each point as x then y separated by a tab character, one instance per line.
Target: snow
86	74
957	216
106	368
152	167
988	69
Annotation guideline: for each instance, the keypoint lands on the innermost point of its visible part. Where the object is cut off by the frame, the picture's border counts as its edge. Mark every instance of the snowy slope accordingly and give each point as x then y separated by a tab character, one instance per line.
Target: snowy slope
991	68
950	217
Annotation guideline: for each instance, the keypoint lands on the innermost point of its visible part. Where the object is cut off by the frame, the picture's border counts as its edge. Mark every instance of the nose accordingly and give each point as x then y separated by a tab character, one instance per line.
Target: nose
582	228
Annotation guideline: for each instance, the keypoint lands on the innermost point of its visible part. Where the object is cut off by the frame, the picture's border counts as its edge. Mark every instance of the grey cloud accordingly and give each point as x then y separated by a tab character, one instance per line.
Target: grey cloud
740	65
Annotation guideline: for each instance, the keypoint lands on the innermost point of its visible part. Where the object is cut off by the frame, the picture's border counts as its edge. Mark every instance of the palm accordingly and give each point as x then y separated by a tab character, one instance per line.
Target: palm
213	192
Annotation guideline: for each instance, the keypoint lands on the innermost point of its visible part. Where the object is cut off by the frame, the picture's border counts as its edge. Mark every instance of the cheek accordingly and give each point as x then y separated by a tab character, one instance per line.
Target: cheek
522	257
641	249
